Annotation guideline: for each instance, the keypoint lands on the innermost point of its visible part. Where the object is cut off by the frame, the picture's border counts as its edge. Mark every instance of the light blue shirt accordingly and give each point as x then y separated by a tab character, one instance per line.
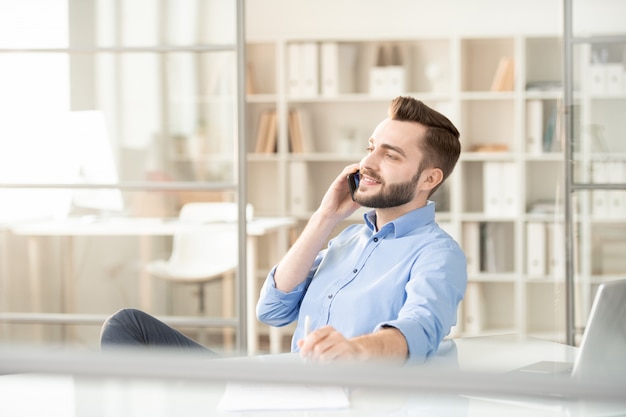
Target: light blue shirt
410	275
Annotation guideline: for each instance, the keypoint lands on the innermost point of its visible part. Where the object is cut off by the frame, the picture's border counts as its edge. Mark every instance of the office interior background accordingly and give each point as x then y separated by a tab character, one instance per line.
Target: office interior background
117	114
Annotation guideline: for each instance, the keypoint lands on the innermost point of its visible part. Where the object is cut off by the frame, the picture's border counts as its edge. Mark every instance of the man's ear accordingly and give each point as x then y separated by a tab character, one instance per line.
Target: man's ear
431	177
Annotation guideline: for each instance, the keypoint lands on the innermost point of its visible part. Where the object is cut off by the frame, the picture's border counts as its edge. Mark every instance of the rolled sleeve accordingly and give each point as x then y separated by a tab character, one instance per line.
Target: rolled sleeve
276	307
433	295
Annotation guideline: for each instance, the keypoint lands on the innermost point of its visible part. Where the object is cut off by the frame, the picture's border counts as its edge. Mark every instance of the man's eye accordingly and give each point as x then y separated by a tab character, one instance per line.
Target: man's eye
369	149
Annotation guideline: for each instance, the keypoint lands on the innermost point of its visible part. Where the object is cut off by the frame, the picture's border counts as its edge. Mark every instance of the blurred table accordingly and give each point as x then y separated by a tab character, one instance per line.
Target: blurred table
145	228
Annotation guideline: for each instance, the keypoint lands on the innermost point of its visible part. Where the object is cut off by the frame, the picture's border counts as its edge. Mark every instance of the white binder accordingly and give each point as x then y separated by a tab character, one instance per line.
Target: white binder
536	249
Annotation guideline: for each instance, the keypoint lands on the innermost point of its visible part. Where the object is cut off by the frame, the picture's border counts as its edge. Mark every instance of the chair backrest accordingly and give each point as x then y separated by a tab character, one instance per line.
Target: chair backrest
215	241
211	212
208	213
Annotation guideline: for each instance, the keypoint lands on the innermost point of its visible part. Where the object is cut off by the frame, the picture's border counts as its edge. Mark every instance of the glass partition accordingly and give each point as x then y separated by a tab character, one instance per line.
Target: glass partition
116	116
596	158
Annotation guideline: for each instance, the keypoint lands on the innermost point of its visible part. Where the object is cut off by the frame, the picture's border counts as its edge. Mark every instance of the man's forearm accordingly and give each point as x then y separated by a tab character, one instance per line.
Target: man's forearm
387	343
295	265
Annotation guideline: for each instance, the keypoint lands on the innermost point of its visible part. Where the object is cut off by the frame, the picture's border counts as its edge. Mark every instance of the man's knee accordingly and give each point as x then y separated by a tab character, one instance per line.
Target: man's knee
122	317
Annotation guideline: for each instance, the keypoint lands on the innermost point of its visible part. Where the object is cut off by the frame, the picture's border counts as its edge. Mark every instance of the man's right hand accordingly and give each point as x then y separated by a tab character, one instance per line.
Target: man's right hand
337	203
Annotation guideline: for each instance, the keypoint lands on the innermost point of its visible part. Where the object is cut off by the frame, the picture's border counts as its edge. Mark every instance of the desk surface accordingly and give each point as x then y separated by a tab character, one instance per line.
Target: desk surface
136	226
59	394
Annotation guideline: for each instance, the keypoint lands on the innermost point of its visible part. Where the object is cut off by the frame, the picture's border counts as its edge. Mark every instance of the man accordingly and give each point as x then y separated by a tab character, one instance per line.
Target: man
388	288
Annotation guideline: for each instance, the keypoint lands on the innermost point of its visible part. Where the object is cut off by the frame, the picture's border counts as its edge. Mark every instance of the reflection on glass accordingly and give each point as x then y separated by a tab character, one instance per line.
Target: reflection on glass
599	105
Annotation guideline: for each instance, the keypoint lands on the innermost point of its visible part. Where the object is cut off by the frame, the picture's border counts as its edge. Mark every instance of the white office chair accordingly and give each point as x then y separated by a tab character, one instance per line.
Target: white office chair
200	256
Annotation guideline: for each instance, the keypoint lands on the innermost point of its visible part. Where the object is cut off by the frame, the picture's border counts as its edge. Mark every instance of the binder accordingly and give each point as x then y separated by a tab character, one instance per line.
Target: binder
474	311
471	247
396	80
556	250
534	126
616	199
600	198
337	65
597	79
500	194
536	250
378	81
309	70
614	79
299	189
510	194
329	52
294	78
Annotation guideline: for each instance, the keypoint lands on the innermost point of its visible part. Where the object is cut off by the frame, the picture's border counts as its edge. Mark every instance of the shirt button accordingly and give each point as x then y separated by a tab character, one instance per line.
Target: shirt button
375	239
355	271
330	296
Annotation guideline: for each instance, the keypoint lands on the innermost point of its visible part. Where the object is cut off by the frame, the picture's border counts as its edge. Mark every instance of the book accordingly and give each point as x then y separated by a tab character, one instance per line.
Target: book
552	132
261	133
300	134
270	136
266	132
504	78
295	132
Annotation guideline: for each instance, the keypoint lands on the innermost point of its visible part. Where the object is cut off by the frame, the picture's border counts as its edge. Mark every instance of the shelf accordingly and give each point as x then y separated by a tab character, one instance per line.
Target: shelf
454	75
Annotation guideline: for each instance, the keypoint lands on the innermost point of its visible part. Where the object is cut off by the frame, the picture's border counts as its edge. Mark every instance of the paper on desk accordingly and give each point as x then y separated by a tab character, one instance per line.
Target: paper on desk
263	397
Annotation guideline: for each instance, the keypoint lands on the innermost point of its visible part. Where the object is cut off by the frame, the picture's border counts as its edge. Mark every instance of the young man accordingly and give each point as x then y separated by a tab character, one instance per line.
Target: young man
388	288
385	289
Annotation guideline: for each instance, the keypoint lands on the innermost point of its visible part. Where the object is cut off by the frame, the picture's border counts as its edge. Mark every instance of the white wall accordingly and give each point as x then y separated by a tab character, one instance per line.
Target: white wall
400	18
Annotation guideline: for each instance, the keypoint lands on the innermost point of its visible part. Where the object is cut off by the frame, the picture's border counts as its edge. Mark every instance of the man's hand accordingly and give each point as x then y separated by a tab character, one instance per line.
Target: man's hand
326	344
337	202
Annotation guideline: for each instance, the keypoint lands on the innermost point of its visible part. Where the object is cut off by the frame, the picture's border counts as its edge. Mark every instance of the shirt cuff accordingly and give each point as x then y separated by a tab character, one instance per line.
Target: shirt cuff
418	343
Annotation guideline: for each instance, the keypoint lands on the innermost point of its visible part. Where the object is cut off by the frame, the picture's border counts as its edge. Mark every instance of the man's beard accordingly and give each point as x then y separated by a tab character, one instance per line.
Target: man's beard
391	195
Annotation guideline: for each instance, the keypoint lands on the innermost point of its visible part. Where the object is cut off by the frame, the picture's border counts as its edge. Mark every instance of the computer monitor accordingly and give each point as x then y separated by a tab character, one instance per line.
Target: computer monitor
58	148
96	163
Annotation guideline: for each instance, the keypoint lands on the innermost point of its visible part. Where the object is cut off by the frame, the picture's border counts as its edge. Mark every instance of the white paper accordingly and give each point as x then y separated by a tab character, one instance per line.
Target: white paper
263	397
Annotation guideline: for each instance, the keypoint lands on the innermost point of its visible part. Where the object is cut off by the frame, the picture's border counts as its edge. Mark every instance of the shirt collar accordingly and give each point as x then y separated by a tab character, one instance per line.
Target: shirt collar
405	223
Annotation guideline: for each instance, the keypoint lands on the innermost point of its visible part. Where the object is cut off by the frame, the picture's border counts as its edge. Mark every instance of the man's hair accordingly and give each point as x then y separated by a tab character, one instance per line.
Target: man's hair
440	145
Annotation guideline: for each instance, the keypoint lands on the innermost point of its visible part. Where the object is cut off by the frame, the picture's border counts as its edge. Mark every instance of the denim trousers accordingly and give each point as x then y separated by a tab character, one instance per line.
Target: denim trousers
134	328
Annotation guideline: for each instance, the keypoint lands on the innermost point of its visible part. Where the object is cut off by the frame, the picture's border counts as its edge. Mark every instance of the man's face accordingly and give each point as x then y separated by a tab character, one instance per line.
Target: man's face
390	172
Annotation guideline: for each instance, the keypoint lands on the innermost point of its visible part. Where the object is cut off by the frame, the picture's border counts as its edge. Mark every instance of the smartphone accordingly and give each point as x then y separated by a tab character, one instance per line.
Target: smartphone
353	182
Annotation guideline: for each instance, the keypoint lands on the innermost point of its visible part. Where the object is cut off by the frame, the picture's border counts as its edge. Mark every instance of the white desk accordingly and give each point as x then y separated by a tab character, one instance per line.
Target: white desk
83	384
144	228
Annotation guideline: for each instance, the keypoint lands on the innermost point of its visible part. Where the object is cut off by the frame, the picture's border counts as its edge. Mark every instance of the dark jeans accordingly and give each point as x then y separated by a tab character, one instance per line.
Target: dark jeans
134	328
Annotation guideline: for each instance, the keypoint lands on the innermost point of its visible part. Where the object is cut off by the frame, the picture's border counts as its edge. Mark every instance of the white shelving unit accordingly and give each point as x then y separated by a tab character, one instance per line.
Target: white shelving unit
454	75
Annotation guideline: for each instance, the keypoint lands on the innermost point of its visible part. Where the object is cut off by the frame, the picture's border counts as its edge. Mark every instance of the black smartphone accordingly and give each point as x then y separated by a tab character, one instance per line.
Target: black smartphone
353	182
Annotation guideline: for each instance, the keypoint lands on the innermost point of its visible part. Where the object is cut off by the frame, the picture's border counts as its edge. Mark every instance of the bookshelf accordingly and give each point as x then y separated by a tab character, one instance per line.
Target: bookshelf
498	90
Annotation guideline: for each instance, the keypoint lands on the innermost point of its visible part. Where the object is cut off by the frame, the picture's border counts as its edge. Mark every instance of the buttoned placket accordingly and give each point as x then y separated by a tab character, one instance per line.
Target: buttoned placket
367	252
